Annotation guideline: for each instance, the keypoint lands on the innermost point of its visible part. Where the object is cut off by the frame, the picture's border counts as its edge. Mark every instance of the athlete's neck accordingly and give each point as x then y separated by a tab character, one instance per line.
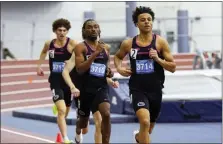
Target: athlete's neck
61	42
145	37
92	43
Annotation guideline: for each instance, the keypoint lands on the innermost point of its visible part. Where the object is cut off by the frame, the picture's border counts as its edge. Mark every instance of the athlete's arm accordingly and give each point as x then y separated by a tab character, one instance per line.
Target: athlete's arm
43	54
109	81
109	73
69	65
73	44
83	65
119	56
108	53
168	63
42	58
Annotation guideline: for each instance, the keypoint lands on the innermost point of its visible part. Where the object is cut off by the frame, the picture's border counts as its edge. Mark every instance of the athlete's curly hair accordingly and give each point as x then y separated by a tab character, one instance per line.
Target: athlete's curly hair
141	10
61	23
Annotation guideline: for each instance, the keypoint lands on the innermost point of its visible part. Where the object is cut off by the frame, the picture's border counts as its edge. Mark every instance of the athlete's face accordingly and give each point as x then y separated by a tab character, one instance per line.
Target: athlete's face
145	22
61	33
92	30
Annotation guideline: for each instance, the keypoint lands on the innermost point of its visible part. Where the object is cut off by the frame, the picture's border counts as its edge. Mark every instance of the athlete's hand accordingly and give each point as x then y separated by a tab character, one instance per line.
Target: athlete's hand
101	45
124	72
153	54
115	84
75	92
40	72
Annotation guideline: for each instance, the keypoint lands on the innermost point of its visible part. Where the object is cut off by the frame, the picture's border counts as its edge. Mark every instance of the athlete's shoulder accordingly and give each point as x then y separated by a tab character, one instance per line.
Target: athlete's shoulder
81	44
161	43
108	46
48	42
127	42
160	38
73	42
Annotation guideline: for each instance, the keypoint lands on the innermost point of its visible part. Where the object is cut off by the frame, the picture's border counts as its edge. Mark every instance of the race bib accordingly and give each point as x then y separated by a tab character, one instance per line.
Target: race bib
144	66
58	67
97	69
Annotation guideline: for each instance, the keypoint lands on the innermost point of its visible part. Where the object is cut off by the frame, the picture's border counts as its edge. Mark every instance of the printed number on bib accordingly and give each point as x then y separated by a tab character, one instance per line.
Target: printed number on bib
144	66
51	53
58	67
133	53
97	69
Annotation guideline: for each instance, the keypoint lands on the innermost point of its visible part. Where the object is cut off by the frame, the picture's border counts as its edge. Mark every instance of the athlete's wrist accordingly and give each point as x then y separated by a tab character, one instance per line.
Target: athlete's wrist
111	82
72	87
158	60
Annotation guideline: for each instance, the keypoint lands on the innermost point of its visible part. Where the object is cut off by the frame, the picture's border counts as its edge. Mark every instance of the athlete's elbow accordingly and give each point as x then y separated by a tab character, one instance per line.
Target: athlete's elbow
64	73
116	61
173	69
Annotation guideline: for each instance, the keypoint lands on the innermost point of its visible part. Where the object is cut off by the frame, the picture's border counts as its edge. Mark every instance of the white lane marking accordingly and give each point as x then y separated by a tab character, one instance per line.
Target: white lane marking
23	82
22	66
22	74
26	107
24	91
26	135
25	100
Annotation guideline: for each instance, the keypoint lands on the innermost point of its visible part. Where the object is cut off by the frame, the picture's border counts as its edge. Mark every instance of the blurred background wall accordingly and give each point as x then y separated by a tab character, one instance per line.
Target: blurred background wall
25	26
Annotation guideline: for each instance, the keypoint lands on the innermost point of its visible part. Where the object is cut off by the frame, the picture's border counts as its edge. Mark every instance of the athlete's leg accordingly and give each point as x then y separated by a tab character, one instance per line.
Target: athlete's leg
104	109
102	103
83	115
81	123
67	99
144	121
141	105
97	122
155	101
67	111
58	98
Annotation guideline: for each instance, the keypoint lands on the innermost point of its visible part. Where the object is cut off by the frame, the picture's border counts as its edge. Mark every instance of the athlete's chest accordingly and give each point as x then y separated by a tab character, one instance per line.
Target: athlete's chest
102	56
59	53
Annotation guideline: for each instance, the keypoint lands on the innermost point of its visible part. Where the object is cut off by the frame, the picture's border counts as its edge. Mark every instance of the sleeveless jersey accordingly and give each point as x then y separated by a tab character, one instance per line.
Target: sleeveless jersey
57	58
147	74
95	77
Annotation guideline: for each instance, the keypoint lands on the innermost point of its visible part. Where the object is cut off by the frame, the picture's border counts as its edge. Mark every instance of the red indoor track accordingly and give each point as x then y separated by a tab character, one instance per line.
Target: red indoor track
21	88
